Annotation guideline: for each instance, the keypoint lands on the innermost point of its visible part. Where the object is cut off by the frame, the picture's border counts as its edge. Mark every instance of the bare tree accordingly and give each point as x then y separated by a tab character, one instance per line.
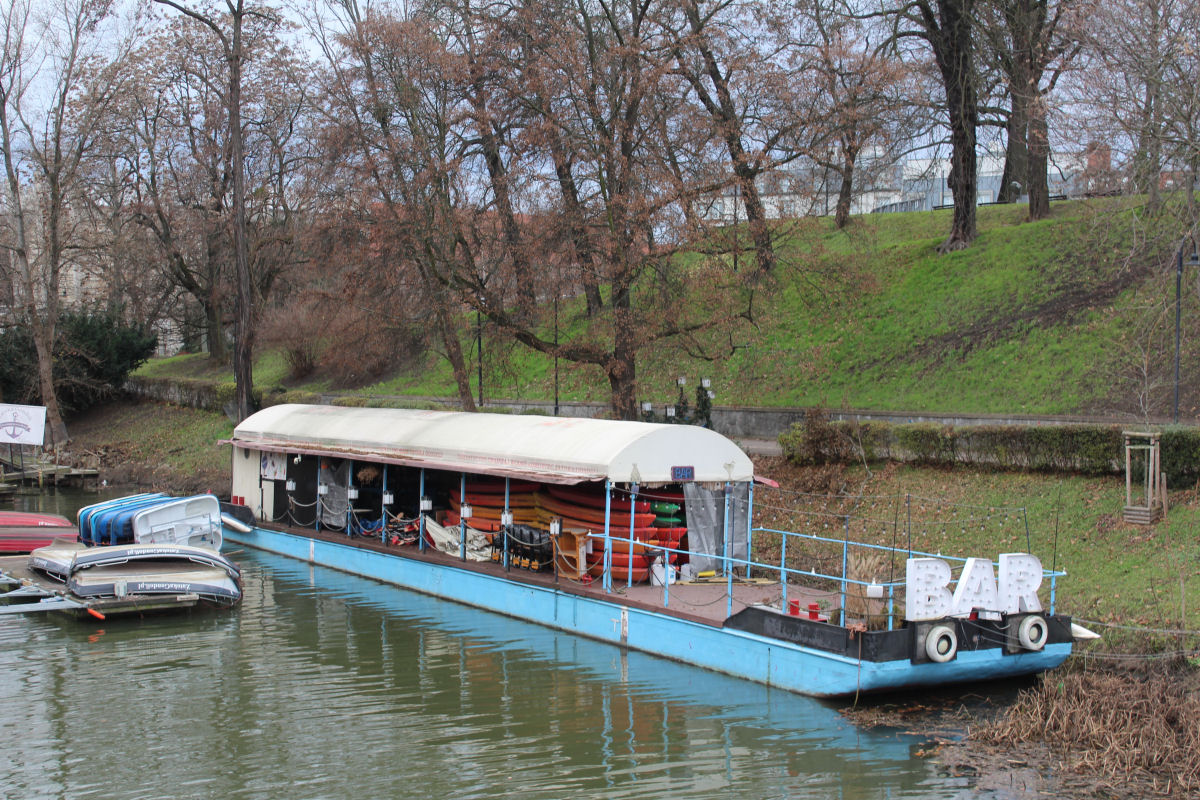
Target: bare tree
948	27
55	82
1031	42
1134	69
396	121
737	66
867	100
234	52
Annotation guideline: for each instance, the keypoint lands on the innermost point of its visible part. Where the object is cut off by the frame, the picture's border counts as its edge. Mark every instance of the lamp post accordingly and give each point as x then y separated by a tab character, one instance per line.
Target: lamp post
1193	261
479	352
556	291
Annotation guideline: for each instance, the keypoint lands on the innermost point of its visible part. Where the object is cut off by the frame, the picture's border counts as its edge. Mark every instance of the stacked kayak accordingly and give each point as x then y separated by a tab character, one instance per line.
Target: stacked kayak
640	528
146	552
638	531
22	531
153	519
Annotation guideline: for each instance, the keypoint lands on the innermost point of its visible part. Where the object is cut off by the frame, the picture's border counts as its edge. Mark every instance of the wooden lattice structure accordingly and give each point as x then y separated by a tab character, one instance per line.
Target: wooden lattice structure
1151	482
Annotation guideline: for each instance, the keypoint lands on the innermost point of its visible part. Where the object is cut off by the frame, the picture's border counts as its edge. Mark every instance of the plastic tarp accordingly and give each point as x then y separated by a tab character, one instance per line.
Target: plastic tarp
562	450
709	520
335	503
446	539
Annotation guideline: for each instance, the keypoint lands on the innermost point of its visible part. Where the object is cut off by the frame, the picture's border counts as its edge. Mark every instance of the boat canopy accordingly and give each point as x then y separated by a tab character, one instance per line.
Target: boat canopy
562	450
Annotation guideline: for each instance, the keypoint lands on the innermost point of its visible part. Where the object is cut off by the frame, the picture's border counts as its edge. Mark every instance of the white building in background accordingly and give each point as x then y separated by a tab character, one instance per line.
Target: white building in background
914	184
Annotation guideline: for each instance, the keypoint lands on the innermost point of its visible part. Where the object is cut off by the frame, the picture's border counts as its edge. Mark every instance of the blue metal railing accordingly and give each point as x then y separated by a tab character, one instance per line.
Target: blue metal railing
787	573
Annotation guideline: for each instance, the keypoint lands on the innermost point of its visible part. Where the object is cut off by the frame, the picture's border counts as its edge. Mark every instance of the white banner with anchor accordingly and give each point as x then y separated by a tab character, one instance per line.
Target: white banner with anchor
22	424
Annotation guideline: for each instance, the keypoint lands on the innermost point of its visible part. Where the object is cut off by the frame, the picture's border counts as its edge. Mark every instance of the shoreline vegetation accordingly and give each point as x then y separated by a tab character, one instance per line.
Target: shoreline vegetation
1122	719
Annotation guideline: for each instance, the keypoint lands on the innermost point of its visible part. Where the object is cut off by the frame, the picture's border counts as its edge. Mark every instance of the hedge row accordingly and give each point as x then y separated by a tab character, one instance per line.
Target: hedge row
1085	449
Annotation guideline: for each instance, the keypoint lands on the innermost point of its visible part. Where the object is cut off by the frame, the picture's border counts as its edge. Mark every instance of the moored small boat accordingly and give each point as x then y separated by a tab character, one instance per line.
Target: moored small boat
24	531
32	519
141	553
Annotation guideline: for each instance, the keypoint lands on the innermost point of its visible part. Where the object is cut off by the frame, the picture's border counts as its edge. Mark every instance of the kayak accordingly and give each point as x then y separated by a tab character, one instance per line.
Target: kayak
592	515
483	500
595	500
33	519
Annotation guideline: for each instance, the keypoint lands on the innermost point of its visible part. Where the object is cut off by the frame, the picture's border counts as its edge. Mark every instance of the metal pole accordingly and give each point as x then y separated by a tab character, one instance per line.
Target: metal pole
556	291
727	529
632	519
1178	282
606	574
749	525
479	351
462	521
421	513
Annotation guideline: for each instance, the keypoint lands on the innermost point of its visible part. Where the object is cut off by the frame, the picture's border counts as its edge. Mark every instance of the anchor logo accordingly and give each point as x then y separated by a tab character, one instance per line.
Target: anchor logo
15	428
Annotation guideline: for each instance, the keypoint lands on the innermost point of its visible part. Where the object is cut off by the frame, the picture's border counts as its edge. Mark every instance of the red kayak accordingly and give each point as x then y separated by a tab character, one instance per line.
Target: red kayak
595	500
25	531
496	486
620	574
25	540
591	515
33	519
516	500
486	525
626	560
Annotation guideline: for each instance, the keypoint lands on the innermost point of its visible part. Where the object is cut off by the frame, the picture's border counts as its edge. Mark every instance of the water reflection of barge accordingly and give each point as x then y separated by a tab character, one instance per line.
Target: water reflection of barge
343	486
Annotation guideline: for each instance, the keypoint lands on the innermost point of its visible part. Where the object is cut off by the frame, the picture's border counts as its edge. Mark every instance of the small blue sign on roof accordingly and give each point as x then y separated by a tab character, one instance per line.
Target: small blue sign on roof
683	473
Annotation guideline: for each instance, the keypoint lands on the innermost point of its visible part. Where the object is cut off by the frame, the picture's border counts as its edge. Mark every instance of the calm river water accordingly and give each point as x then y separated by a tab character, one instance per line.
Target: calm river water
324	685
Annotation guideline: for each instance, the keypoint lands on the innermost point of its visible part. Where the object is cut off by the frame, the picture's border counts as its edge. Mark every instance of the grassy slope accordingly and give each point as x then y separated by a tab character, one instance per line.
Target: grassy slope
1034	317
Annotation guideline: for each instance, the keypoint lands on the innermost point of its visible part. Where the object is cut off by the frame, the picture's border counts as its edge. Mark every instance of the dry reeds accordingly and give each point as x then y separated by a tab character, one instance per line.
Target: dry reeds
1127	726
868	566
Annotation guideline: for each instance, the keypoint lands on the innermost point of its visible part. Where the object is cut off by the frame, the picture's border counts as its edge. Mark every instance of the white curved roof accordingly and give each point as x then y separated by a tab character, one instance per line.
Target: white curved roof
553	449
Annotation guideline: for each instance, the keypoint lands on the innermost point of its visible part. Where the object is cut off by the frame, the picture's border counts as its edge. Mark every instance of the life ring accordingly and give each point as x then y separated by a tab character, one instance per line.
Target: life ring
1031	633
941	643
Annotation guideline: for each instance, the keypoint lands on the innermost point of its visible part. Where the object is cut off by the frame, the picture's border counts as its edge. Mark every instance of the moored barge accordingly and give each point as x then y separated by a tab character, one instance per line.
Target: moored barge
567	521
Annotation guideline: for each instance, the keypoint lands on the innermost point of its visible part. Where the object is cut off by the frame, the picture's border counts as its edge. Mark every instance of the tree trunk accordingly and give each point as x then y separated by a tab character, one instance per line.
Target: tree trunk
584	257
498	174
954	52
729	121
756	219
45	368
1016	154
243	352
454	353
621	371
214	331
1039	162
841	214
1021	18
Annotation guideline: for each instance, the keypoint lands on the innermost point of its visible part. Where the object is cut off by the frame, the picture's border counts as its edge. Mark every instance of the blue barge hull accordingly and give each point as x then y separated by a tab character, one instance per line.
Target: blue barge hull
763	659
